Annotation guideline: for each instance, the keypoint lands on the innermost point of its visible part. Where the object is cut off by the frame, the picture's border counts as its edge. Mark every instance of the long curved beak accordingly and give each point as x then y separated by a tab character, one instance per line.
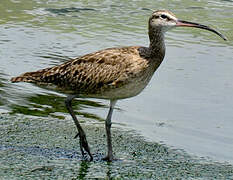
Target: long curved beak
180	23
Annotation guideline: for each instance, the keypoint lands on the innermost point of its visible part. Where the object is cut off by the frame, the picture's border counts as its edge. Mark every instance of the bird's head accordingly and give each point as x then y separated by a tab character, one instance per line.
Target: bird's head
163	20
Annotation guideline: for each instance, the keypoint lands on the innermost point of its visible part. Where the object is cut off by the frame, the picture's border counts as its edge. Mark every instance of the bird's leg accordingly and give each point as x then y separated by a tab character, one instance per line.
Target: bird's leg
81	133
108	124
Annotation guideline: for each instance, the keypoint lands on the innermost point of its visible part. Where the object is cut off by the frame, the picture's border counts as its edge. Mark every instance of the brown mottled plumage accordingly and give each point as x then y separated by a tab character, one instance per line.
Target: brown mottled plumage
99	74
114	73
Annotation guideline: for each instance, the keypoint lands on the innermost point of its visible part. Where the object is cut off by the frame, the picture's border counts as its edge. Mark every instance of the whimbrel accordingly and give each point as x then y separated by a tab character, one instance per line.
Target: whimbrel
113	74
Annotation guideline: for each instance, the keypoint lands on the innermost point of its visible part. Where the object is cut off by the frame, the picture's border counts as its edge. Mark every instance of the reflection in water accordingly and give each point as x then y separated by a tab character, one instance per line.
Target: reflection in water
1	97
83	170
4	90
1	91
44	105
109	170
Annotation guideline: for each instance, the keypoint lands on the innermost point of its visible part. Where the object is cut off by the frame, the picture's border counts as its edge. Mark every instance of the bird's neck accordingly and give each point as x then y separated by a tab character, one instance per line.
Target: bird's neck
157	45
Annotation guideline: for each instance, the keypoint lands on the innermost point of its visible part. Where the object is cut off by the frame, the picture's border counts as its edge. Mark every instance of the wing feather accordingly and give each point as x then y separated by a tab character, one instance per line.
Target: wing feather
109	67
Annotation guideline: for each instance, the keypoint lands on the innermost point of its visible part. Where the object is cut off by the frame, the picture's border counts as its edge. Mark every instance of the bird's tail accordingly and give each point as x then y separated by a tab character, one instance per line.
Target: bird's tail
32	77
47	75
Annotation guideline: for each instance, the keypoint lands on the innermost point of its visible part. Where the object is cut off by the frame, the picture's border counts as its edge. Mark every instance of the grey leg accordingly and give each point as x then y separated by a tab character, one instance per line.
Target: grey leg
108	124
81	133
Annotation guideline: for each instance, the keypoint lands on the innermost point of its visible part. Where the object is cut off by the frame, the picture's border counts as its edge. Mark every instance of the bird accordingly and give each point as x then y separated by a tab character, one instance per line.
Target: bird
112	74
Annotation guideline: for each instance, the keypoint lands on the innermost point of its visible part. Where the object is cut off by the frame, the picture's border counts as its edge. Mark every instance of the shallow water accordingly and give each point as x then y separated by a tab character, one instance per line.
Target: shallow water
188	103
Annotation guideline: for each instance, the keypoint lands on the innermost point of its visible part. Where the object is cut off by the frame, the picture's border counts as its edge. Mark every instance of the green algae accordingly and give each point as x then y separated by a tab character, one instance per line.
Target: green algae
44	148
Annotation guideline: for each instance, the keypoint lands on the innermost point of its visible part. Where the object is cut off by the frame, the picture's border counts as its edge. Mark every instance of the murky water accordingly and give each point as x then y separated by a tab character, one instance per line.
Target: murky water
188	103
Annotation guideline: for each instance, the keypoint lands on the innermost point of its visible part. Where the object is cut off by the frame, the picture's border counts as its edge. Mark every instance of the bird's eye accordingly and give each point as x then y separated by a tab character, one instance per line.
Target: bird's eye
163	16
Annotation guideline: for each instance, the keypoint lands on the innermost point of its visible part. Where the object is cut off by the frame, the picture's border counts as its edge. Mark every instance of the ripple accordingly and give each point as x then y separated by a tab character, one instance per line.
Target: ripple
62	11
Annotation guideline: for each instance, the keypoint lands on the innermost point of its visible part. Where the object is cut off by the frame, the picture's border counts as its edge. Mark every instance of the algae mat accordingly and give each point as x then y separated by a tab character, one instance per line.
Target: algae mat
44	148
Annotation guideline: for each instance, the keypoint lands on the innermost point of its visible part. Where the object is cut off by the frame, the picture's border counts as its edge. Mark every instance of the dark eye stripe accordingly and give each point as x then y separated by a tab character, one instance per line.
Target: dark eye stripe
155	16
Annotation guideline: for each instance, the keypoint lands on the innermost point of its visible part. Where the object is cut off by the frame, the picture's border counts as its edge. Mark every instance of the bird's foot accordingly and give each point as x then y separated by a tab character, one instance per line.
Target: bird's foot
108	158
84	144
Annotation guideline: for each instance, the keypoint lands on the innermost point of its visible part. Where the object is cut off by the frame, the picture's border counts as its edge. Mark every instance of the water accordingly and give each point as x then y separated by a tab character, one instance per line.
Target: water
188	103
